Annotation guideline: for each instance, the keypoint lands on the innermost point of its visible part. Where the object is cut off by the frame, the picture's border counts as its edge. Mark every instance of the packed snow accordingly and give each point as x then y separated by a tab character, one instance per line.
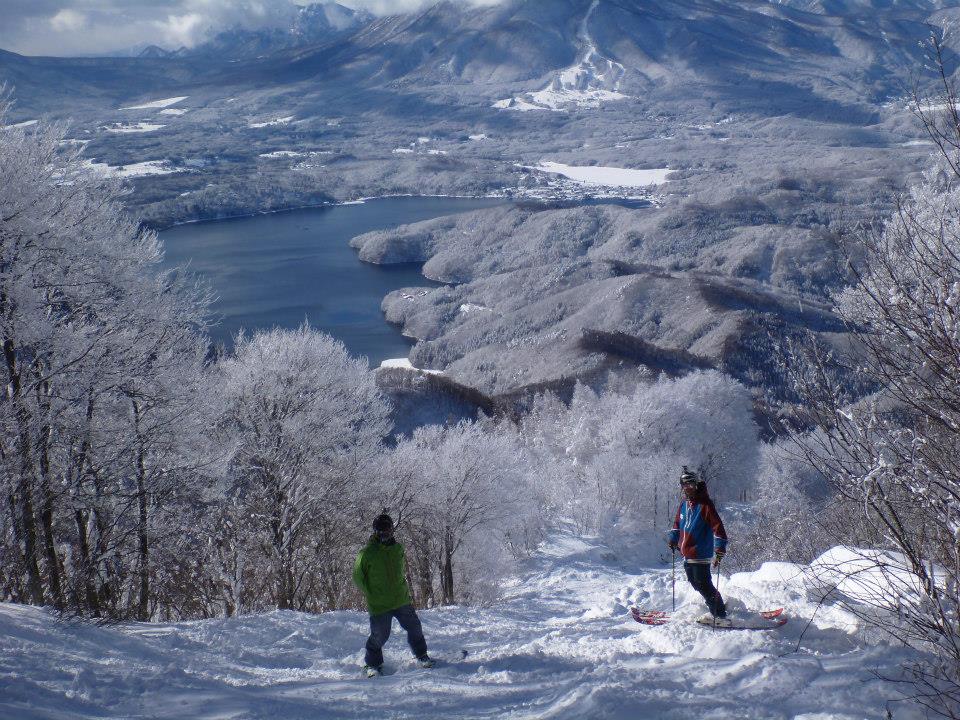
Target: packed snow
166	102
268	123
560	643
606	176
173	111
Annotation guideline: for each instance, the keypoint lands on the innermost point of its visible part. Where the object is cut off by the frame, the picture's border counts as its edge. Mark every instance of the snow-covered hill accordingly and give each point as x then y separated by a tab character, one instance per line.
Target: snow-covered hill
561	644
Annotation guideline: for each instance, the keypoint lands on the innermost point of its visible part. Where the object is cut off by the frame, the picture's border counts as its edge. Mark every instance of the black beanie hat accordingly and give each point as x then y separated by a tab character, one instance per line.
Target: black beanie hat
383	522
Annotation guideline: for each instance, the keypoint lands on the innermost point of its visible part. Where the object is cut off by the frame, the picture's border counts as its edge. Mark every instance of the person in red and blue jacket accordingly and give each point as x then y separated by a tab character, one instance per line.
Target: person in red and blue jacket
699	535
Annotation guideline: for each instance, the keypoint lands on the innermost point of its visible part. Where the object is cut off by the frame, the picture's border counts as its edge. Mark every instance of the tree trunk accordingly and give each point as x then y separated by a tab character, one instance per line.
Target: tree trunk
18	539
46	519
446	574
25	481
143	604
29	525
85	565
92	600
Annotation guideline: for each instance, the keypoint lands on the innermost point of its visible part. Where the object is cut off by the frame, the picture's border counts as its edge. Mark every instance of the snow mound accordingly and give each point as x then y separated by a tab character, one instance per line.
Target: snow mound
869	577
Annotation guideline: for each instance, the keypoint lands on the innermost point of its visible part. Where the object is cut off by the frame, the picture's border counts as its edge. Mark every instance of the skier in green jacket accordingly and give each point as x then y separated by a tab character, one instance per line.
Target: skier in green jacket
380	572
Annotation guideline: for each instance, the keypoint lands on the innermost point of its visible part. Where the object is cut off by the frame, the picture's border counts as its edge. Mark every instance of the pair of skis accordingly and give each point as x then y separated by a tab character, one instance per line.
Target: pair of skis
765	620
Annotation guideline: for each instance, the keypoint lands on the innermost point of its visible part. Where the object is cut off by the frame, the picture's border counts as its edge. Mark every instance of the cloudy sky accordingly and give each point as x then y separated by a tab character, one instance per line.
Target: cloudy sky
78	27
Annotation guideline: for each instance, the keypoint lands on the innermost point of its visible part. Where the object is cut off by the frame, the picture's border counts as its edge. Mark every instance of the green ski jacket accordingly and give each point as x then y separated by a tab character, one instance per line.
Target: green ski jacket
380	572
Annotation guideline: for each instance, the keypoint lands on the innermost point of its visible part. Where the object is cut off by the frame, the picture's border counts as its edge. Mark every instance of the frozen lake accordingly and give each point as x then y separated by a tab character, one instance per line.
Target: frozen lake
281	268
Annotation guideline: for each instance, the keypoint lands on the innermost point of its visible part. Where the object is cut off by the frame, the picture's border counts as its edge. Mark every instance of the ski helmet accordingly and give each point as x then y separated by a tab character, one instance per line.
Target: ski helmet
689	477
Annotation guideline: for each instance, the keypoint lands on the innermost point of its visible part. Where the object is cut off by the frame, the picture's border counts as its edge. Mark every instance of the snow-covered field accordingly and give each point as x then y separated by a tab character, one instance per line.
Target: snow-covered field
165	102
140	169
606	176
561	644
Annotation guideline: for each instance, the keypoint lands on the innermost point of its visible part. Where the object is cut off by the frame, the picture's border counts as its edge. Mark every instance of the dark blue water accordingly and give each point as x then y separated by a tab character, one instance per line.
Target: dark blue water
277	270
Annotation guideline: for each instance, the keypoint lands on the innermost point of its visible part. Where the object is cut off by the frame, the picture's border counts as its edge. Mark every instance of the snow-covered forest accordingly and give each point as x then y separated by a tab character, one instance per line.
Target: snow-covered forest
148	478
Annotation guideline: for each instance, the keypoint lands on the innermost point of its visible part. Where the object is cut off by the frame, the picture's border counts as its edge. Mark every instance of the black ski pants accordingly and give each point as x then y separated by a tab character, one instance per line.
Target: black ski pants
380	631
700	577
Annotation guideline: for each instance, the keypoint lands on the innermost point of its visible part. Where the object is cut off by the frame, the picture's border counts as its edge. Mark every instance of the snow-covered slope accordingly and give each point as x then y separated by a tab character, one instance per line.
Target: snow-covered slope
590	82
560	645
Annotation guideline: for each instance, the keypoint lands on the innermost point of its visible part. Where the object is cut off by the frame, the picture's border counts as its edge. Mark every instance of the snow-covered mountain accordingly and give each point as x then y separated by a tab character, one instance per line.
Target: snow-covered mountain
561	644
311	25
589	46
767	121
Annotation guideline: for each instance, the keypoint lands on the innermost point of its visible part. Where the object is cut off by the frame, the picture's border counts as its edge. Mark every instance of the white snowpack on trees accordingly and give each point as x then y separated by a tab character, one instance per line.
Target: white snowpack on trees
560	643
276	121
405	364
140	127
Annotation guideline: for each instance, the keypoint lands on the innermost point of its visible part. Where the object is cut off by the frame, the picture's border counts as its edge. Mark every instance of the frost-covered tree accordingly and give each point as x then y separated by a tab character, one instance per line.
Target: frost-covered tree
618	456
892	457
299	418
465	506
98	343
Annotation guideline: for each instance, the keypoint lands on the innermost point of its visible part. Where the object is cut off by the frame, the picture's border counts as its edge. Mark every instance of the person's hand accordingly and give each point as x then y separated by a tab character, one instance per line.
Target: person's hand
718	556
672	545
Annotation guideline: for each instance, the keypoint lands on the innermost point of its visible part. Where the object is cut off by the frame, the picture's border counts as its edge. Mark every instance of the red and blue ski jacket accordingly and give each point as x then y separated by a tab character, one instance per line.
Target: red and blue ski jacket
698	530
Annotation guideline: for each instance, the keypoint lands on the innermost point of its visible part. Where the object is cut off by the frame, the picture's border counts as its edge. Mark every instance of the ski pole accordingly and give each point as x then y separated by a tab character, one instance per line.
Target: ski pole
673	578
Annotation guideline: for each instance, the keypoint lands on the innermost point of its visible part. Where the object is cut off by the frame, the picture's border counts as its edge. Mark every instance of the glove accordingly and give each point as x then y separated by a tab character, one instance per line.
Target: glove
672	545
718	556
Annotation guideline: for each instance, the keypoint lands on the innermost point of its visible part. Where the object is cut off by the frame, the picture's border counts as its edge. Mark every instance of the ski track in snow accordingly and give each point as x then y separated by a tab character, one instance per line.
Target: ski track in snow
561	644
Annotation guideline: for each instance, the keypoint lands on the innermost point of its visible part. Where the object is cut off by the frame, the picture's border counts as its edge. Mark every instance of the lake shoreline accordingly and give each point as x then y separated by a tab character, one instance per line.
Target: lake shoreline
280	268
318	206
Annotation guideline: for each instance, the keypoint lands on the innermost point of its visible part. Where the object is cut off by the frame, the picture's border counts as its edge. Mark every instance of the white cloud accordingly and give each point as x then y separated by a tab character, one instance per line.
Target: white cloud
179	30
68	21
